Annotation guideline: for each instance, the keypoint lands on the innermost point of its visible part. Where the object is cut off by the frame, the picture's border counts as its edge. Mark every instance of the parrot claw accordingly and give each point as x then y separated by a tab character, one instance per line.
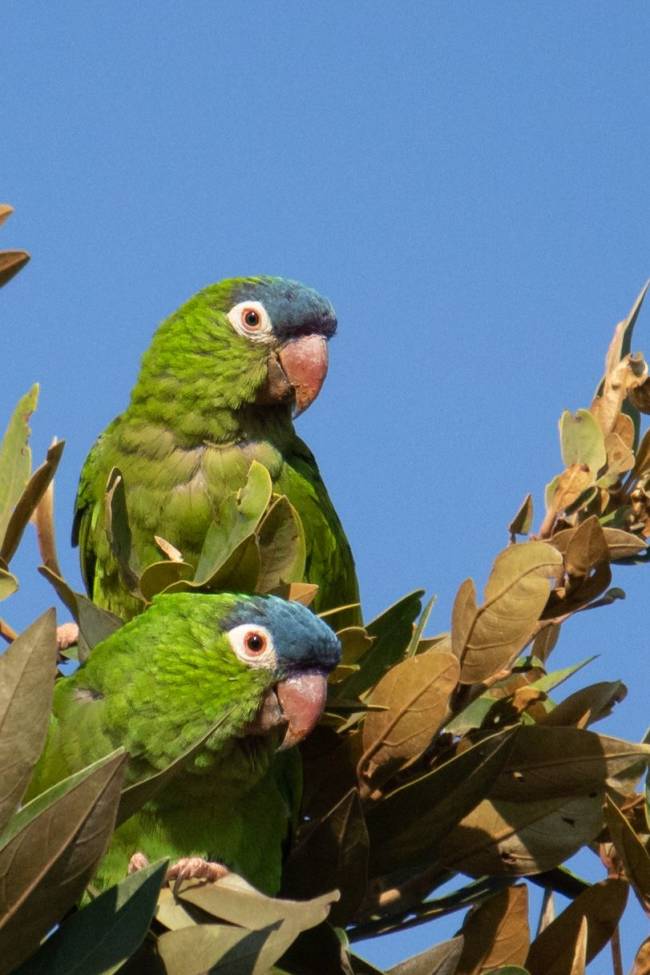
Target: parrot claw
66	635
195	868
137	862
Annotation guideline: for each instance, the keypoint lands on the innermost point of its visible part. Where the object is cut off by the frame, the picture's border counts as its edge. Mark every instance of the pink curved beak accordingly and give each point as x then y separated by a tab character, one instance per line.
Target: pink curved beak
304	361
302	699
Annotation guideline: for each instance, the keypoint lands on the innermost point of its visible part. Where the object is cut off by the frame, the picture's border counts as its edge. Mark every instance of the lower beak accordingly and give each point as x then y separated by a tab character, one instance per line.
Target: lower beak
304	362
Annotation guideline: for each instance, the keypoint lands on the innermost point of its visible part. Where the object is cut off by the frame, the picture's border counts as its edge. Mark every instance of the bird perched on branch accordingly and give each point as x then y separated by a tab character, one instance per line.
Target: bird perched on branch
217	389
248	675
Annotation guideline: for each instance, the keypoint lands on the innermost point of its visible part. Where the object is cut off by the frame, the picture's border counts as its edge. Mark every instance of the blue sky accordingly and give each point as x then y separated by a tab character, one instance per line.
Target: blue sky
467	182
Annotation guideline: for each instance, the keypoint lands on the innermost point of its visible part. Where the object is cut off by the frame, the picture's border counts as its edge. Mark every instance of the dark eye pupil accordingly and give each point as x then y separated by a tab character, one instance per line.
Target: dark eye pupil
252	318
254	642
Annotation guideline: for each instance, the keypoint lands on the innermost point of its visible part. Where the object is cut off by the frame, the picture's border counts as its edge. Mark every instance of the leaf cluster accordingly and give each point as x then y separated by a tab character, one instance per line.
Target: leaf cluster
438	759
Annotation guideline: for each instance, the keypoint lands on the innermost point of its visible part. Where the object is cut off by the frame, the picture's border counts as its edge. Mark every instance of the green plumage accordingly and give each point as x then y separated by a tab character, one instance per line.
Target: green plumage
194	425
155	687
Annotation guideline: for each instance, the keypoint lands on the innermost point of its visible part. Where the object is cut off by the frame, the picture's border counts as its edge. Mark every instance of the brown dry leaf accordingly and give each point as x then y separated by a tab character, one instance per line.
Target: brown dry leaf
587	705
416	694
439	960
620	544
172	553
486	638
548	762
632	852
519	838
10	264
601	907
355	642
586	549
6	210
641	964
640	397
545	641
620	457
626	375
443	796
523	520
43	519
579	961
642	462
331	853
569	485
50	853
297	592
496	933
27	672
29	499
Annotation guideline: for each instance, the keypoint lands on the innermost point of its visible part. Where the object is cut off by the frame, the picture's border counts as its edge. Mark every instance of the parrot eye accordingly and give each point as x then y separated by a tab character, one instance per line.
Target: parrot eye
253	645
251	320
255	642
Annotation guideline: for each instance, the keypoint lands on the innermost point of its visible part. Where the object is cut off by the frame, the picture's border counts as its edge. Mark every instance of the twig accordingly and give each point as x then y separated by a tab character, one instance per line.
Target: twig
617	959
7	632
421	913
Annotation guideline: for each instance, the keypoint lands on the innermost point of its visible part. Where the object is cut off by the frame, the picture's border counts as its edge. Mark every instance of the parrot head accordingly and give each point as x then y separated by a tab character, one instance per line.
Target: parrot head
252	341
261	658
296	649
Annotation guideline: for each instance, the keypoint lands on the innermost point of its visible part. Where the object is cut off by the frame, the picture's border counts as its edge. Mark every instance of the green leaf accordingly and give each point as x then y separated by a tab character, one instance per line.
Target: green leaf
582	441
95	623
557	677
398	839
15	457
27	671
50	851
118	529
416	639
237	519
100	938
159	576
281	542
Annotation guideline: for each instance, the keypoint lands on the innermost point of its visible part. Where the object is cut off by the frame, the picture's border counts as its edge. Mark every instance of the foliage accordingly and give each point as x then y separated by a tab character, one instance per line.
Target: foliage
435	757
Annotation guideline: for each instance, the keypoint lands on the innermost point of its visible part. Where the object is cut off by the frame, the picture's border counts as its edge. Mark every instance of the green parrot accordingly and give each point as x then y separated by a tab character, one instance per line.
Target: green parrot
255	666
217	389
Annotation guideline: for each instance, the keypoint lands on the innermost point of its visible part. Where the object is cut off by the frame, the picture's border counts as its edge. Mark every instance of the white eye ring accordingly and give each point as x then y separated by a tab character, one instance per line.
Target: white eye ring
253	644
251	319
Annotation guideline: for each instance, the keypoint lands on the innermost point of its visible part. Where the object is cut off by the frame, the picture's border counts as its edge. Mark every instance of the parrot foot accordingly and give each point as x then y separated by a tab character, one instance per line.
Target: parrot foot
195	868
137	862
66	635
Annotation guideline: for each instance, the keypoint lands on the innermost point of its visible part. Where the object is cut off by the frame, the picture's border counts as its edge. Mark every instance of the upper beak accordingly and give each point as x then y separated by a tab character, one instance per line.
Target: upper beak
302	699
297	371
296	702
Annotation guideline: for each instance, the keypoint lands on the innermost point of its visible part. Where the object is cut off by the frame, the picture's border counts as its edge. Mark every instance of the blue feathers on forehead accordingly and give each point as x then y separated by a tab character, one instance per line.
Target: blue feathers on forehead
293	308
302	640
